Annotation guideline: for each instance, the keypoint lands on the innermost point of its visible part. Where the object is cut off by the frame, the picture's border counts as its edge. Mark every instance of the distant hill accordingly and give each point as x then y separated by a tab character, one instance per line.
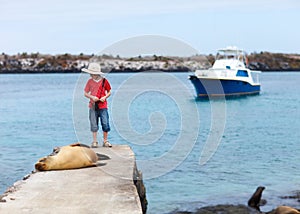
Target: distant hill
266	61
68	63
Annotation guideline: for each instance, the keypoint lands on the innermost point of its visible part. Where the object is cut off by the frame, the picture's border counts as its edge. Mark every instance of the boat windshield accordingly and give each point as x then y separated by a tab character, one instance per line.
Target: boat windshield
228	54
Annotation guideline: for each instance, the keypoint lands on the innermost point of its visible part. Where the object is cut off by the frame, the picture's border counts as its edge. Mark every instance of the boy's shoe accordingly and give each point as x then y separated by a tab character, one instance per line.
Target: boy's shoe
107	144
94	145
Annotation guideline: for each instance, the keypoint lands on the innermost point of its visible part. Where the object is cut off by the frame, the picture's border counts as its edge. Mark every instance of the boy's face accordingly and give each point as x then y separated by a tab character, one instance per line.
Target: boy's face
95	76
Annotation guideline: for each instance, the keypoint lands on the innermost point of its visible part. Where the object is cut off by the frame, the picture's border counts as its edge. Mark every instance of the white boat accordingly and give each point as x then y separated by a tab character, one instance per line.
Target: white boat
228	76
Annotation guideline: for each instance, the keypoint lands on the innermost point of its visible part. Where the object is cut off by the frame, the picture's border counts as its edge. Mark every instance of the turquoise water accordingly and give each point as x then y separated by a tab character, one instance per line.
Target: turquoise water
259	145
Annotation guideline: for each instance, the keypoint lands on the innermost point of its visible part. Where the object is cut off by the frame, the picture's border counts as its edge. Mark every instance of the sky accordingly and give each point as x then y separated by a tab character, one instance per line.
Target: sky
90	26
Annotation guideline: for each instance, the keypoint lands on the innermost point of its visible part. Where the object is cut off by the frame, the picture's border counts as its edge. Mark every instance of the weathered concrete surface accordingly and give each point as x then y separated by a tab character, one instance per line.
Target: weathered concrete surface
107	188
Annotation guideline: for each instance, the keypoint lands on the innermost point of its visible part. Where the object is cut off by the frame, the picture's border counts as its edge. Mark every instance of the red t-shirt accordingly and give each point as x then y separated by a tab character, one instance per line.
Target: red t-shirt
95	89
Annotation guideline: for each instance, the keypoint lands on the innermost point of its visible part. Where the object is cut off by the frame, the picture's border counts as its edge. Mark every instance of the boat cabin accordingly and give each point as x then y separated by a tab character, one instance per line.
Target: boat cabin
230	58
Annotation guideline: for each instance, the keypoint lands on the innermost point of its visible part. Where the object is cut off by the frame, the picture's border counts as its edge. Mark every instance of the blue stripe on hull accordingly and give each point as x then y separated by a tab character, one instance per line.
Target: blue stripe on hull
211	87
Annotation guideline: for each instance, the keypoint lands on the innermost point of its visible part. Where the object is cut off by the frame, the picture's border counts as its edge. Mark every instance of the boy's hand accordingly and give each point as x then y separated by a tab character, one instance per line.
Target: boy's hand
102	99
95	99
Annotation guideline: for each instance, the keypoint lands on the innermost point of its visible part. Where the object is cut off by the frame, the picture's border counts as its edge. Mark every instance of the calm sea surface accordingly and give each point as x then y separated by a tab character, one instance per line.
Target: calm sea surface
260	143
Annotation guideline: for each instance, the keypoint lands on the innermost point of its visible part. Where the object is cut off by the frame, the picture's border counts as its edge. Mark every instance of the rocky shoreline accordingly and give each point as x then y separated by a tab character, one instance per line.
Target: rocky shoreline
240	208
67	63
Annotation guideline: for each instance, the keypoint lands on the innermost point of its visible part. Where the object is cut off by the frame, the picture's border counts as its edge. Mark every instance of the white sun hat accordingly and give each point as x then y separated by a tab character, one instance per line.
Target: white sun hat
93	68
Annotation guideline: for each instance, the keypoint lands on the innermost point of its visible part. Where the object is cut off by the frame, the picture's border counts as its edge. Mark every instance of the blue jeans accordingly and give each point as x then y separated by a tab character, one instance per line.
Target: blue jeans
94	119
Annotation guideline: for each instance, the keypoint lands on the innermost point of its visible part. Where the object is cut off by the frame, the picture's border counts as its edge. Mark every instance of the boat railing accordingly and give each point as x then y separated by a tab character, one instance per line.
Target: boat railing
255	76
215	73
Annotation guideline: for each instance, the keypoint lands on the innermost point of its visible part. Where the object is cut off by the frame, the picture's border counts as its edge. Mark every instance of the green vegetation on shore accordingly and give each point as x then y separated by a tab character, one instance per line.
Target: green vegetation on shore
68	63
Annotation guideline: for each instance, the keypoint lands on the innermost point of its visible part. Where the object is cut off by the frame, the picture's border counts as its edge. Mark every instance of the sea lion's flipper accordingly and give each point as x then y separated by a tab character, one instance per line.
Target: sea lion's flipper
79	144
262	202
75	144
102	157
83	145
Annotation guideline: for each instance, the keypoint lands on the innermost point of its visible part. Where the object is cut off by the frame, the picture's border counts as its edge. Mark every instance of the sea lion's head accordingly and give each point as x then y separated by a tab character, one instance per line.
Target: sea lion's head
43	164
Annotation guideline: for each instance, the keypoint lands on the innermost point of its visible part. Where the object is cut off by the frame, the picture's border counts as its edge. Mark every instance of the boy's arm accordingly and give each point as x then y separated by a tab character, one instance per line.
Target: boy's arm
102	99
106	86
88	95
87	92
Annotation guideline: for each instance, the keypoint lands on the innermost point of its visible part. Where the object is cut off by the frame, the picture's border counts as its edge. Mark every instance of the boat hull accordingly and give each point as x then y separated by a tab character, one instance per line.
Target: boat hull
206	87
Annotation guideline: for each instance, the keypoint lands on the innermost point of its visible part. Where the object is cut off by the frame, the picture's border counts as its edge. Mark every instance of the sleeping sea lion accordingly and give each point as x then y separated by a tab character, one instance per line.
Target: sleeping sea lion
254	201
73	156
285	210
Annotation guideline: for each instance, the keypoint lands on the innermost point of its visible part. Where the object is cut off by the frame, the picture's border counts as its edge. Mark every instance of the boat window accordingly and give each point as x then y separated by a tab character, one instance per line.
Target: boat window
225	56
242	73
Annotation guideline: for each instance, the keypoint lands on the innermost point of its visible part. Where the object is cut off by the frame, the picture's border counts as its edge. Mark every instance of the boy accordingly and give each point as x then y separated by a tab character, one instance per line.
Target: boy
97	89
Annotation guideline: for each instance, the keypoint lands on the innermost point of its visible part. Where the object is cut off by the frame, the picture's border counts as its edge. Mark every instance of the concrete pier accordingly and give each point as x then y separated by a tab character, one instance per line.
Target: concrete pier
107	188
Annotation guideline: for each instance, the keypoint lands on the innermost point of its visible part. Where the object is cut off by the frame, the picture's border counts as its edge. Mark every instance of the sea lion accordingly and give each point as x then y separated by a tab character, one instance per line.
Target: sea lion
73	156
284	210
254	201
